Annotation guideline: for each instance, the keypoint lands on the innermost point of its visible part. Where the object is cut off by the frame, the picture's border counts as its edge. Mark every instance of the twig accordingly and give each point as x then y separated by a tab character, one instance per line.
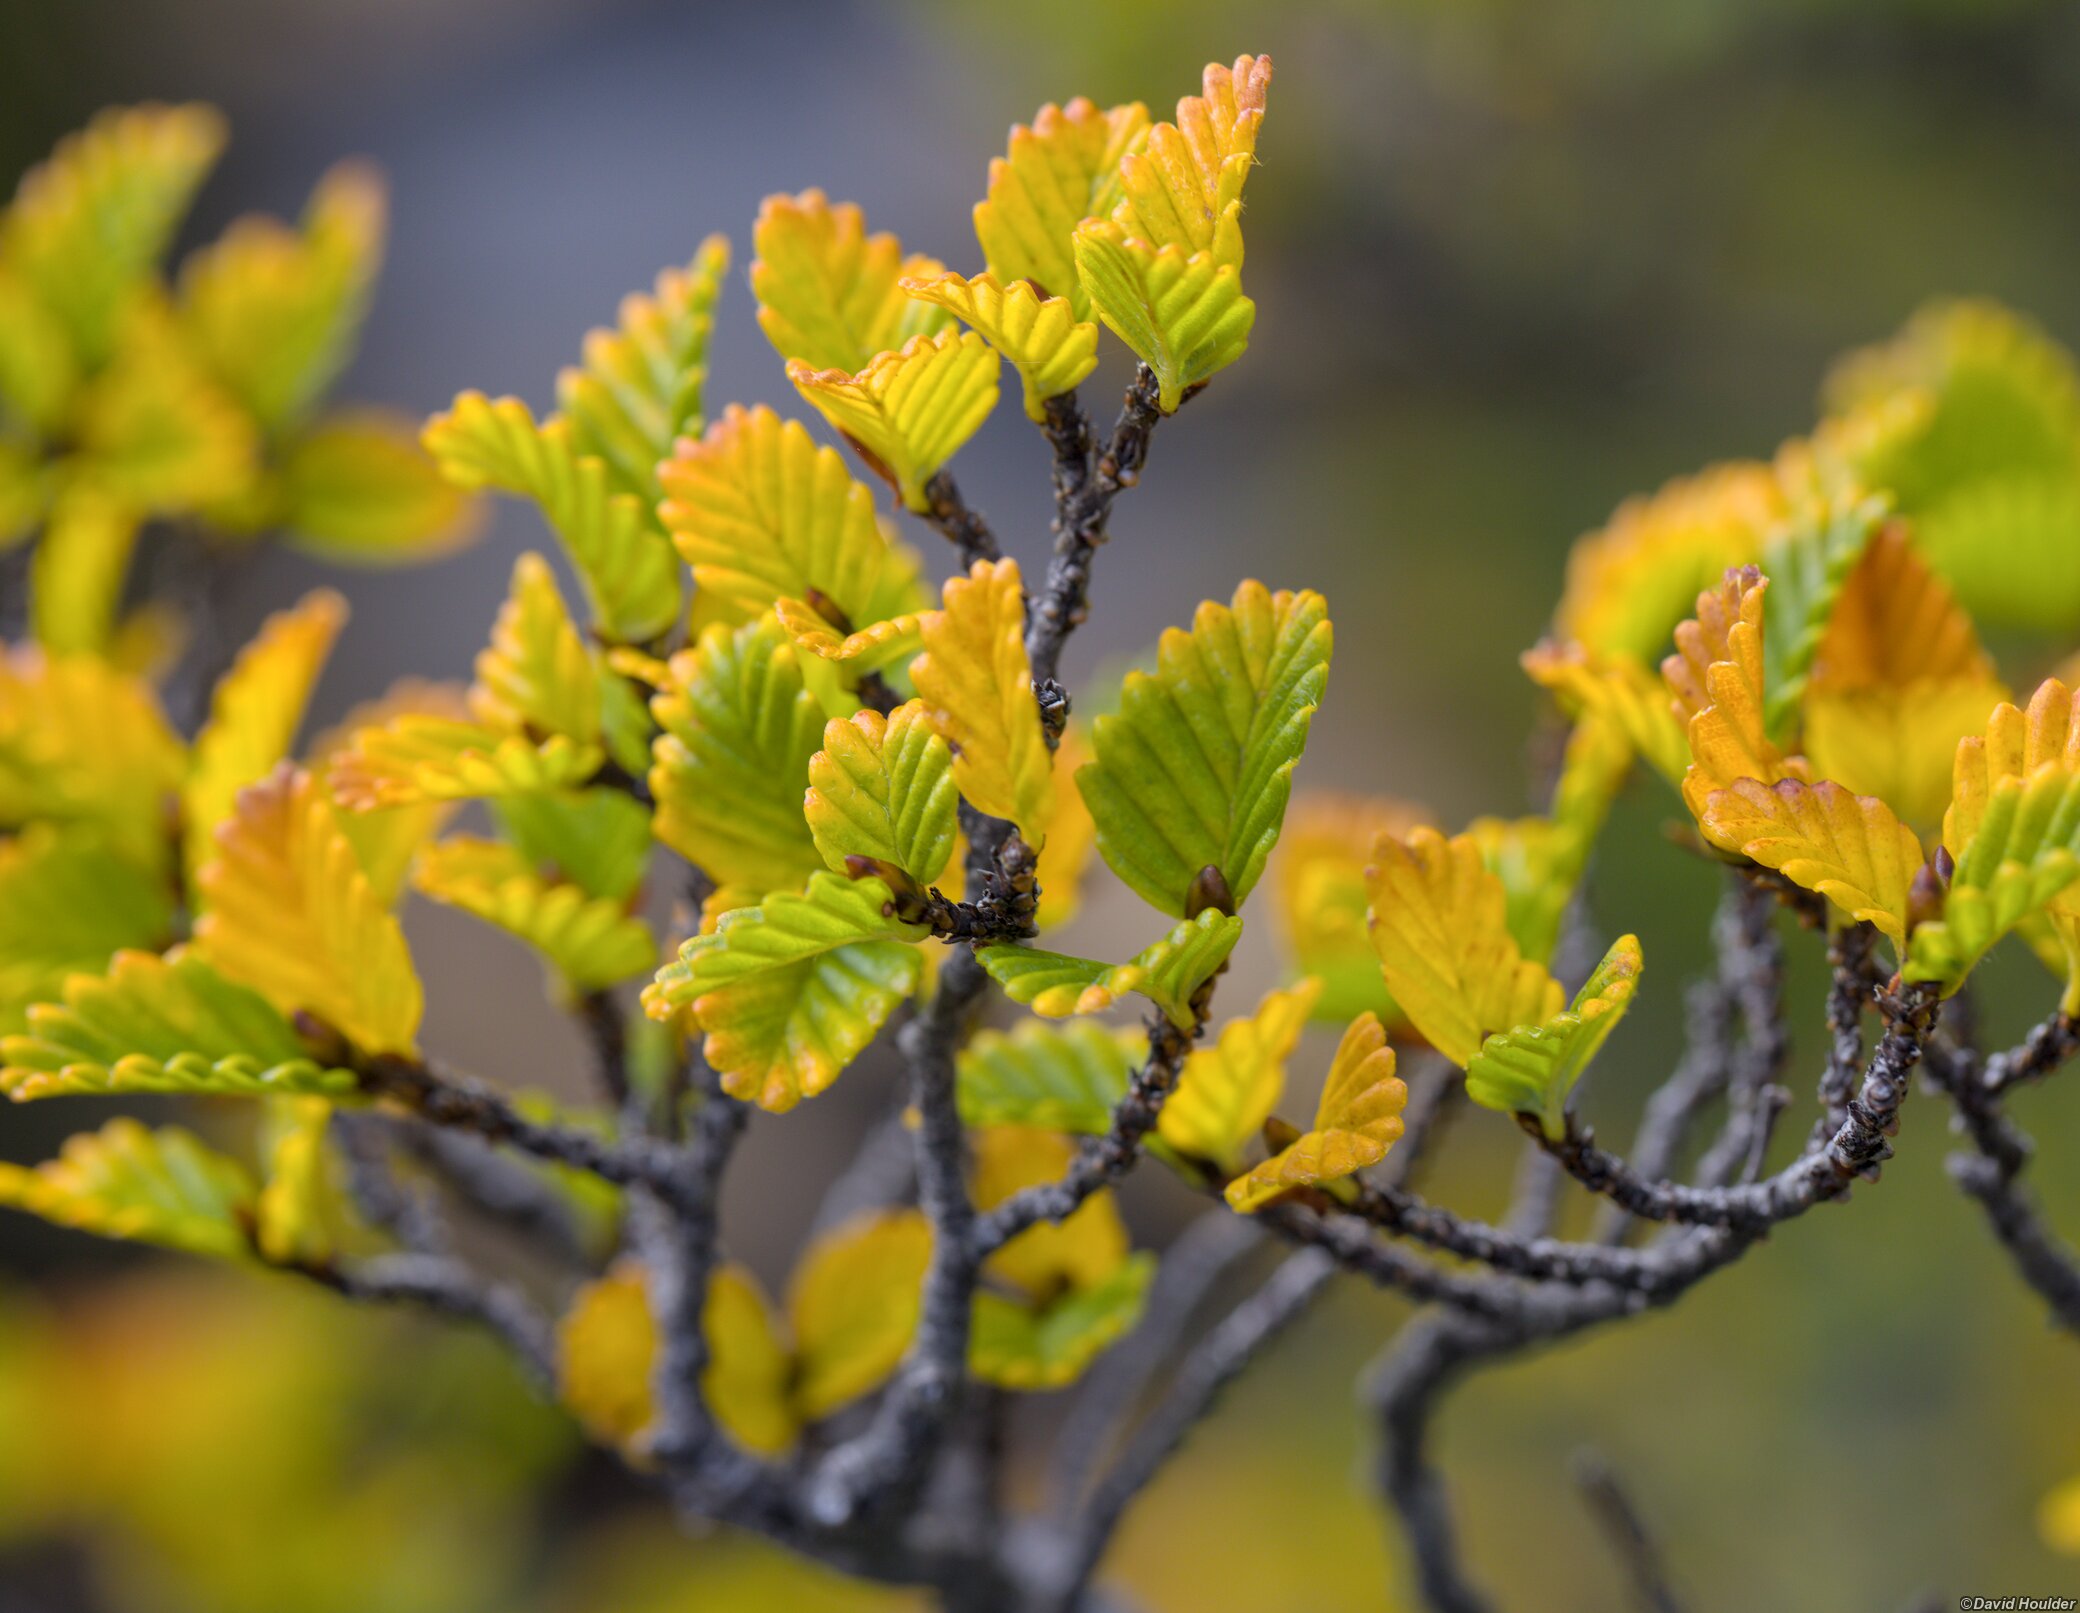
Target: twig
953	519
445	1285
408	1212
1622	1526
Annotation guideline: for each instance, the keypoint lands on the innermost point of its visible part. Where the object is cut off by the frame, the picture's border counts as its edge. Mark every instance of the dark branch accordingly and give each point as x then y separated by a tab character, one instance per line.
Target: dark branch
950	516
1627	1533
446	1286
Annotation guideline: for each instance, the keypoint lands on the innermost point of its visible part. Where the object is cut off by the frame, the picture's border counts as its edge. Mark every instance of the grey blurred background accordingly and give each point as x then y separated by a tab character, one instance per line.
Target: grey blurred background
1513	259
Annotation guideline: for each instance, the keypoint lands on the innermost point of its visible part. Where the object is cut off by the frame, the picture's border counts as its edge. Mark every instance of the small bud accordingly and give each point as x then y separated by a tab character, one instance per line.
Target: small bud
1209	888
1925	895
326	1044
1279	1133
828	608
907	899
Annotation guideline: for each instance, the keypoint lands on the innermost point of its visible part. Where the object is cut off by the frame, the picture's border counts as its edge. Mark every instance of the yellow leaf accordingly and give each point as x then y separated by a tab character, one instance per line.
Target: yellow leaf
1532	1069
155	432
1182	314
536	677
127	1181
1042	337
1058	172
828	292
1851	849
1318	896
357	489
882	787
1184	186
762	514
2017	744
749	1366
1440	923
296	1216
254	713
592	942
1016	1344
978	684
1227	1091
1077	1253
853	1303
1072	836
1358	1120
386	840
287	910
418	758
1715	679
1622	693
907	412
77	572
868	648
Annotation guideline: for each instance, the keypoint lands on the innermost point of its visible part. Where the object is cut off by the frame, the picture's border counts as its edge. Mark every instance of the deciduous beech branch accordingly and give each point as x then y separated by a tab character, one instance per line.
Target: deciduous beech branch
448	1287
959	523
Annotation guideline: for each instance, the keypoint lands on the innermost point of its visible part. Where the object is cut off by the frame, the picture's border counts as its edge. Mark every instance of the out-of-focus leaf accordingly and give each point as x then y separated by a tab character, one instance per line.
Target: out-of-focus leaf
273	310
1228	1090
155	432
536	677
1531	1069
1183	187
1057	172
416	758
76	576
1072	836
88	225
1807	562
38	369
1078	1252
910	410
1016	1347
598	839
1050	347
358	490
1852	849
978	685
1183	315
853	1304
732	762
300	1213
640	385
1620	693
1319	900
882	787
254	713
154	1024
829	294
1195	768
68	903
126	1181
1056	1077
762	513
1440	924
1357	1121
630	575
287	910
1168	973
590	941
386	839
791	991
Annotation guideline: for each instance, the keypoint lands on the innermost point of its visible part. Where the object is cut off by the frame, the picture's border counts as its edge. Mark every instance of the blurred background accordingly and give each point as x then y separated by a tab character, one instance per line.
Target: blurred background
1513	259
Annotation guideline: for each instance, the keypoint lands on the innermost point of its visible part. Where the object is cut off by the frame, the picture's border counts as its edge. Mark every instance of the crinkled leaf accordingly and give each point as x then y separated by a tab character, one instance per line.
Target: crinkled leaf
1057	172
88	225
386	839
639	388
631	577
829	294
882	787
1852	849
978	685
1716	680
1183	315
1531	1069
733	760
907	411
153	1024
1056	1077
255	711
1356	1122
762	513
1227	1090
1168	973
288	911
791	991
853	1304
127	1181
590	941
1050	347
536	677
1195	768
1440	924
1807	563
1183	187
1015	1347
1621	694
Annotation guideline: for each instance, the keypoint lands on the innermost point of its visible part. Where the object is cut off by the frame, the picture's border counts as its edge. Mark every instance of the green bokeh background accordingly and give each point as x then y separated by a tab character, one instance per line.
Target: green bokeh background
1513	259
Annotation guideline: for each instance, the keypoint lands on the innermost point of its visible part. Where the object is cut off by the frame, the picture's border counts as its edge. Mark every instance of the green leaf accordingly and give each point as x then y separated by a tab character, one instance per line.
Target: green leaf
301	1213
1195	769
1056	1077
733	761
38	372
1168	973
155	432
791	991
761	512
125	1181
2024	852
639	388
1532	1068
1807	563
76	575
631	577
67	904
1016	1347
536	677
883	788
1184	316
591	942
88	226
1227	1091
358	490
828	292
599	840
417	757
909	411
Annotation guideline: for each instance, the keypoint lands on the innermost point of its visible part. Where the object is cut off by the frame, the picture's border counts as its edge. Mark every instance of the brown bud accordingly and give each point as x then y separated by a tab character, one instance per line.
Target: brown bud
907	899
1279	1133
1209	888
829	609
1925	895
